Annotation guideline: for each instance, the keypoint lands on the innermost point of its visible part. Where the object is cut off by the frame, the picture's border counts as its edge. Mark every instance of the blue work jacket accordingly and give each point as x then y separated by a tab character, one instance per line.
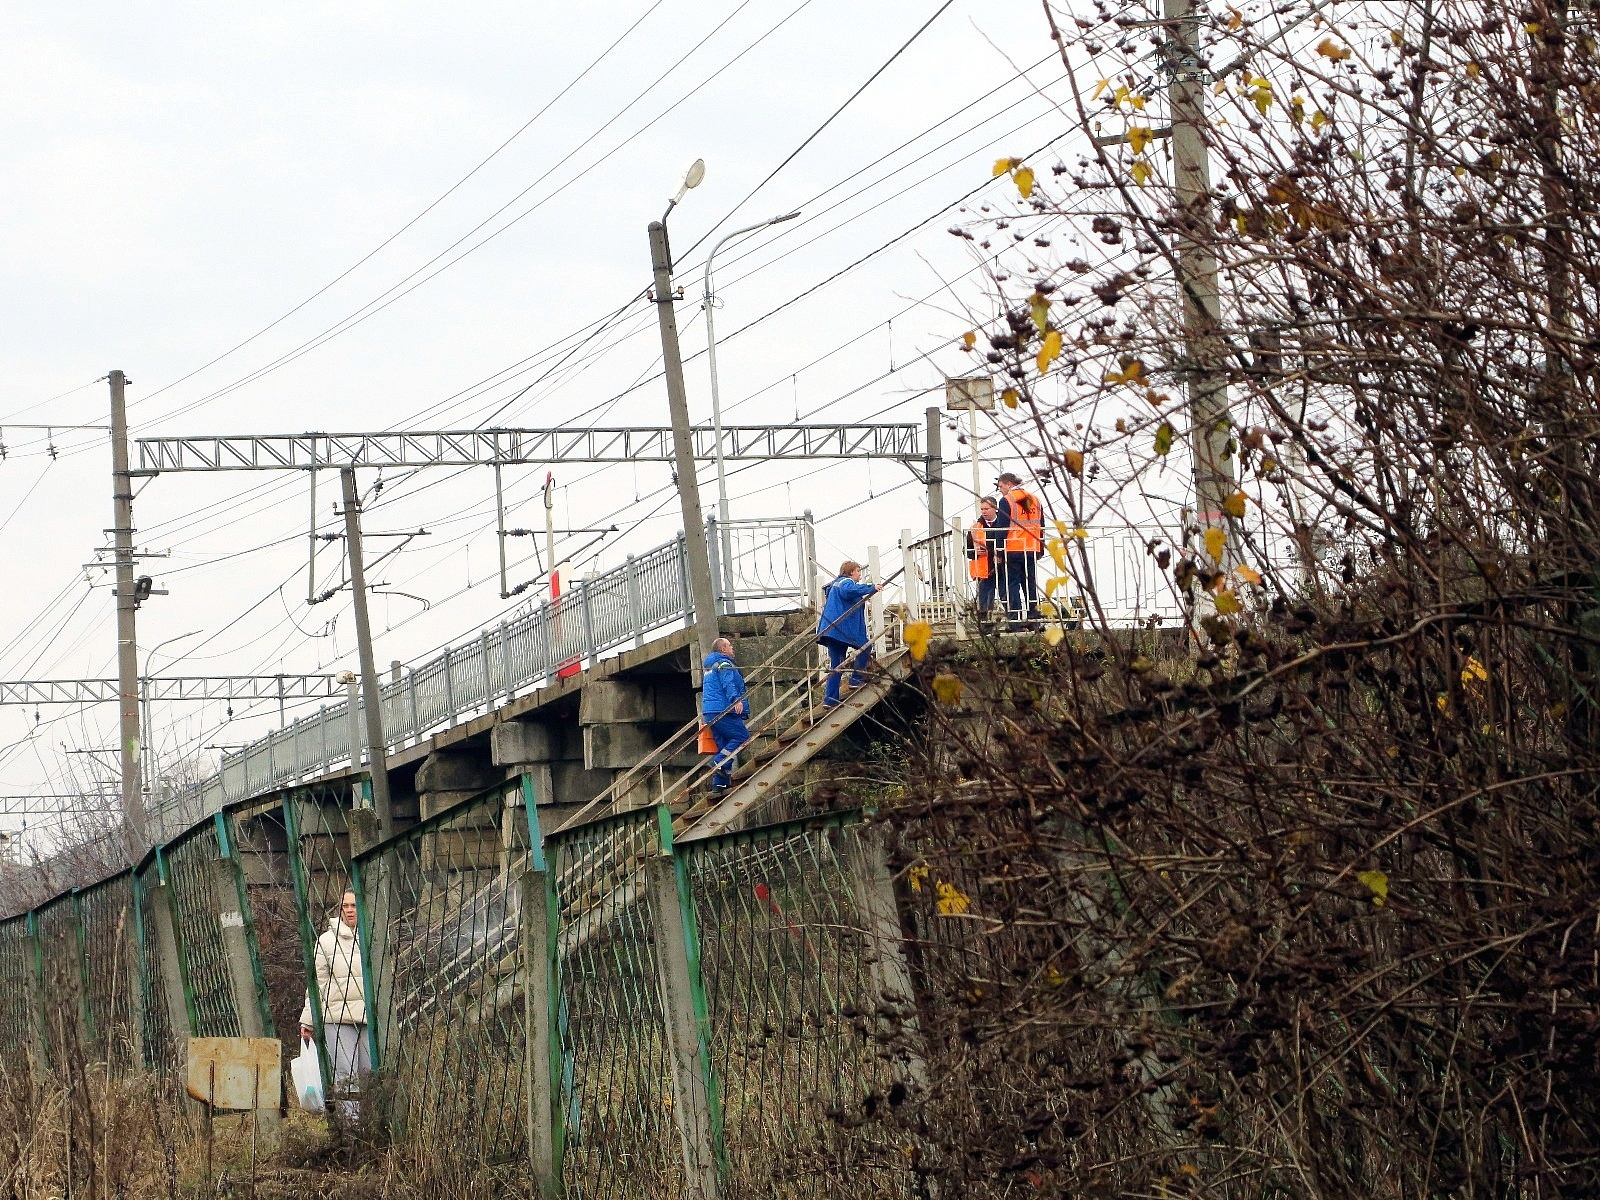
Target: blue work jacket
723	686
844	613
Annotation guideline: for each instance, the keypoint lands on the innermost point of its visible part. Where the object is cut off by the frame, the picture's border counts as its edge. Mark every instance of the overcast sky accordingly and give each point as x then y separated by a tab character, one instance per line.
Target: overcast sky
186	179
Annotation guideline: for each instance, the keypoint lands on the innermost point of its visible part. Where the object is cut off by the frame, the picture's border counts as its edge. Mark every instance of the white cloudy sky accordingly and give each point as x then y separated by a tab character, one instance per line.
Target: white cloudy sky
183	175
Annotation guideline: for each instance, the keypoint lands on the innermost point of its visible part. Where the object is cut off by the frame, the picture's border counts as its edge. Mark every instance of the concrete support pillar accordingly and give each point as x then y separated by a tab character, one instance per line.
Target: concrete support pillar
447	777
243	966
688	1035
616	717
895	1020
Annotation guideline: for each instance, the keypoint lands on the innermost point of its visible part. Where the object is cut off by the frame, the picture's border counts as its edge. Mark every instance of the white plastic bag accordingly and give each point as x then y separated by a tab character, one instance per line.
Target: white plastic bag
306	1071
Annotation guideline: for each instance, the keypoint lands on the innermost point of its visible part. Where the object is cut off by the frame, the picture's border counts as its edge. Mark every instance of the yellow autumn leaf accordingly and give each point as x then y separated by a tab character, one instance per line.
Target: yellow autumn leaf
917	635
1164	435
1261	95
1473	70
1002	165
1023	178
1058	553
1098	88
1318	119
1130	373
1039	310
1054	582
1047	609
947	689
1053	635
1249	575
952	900
1073	461
917	876
1139	137
1377	883
1474	673
1227	603
1234	506
1140	171
1010	397
1235	17
1216	542
969	339
1050	350
1080	532
1329	48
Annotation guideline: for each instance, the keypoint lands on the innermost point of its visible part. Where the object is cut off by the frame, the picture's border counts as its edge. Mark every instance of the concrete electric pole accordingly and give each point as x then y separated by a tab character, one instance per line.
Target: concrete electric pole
127	607
694	526
1210	422
377	752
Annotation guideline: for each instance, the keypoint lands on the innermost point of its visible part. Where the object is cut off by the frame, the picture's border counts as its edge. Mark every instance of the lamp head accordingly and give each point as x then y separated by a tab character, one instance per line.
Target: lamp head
691	179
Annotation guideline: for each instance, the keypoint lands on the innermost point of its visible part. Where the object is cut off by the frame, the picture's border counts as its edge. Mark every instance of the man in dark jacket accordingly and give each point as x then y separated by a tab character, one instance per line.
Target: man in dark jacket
842	631
723	707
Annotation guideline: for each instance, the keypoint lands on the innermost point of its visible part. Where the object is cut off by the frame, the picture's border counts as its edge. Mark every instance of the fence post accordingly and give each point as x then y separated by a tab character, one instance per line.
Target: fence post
635	607
913	580
540	995
696	1106
893	991
242	962
508	674
808	565
449	692
488	671
875	633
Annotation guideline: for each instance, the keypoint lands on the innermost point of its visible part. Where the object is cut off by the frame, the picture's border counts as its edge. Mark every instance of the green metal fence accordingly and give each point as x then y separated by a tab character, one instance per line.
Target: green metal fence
614	1108
803	1045
440	921
735	1005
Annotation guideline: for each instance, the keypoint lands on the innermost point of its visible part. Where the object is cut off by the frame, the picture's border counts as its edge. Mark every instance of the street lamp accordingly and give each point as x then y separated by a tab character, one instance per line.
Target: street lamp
144	687
697	554
711	358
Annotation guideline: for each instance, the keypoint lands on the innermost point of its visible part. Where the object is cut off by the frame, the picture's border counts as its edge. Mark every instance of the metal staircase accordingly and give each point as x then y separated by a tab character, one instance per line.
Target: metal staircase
791	726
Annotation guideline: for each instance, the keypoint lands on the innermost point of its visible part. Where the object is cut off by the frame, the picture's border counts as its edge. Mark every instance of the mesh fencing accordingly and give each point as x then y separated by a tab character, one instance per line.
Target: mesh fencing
441	931
110	939
790	933
616	1096
801	1044
18	983
191	875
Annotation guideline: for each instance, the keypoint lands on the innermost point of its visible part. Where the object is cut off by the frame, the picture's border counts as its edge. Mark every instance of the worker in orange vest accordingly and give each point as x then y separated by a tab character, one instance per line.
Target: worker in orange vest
1021	516
983	553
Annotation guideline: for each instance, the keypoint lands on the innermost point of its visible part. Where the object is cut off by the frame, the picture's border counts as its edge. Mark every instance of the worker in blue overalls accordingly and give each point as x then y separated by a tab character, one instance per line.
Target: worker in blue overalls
723	707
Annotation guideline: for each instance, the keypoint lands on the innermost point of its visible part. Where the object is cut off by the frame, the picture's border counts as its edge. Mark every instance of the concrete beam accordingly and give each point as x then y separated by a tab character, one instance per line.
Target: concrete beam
517	743
614	701
616	747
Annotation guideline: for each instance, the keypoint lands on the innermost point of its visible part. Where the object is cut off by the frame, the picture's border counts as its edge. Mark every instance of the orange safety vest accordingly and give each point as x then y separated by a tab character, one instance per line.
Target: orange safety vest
1026	535
979	567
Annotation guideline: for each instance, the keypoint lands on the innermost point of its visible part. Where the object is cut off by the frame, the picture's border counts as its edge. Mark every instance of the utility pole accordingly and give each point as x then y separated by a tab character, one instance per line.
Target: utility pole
127	607
377	753
694	526
934	467
1210	423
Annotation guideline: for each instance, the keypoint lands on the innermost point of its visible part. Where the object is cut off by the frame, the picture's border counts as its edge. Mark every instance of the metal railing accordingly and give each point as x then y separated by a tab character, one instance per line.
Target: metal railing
756	562
1109	568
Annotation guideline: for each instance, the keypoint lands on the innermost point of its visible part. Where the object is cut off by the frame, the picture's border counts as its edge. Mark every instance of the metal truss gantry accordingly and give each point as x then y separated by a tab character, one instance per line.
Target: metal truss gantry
197	687
508	447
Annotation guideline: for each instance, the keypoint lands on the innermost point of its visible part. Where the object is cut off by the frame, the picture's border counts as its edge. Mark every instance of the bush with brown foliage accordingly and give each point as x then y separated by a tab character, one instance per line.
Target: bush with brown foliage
1306	904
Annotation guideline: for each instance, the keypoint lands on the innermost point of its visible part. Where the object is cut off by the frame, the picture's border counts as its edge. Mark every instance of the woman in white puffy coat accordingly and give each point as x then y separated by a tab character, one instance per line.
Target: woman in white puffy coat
340	986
